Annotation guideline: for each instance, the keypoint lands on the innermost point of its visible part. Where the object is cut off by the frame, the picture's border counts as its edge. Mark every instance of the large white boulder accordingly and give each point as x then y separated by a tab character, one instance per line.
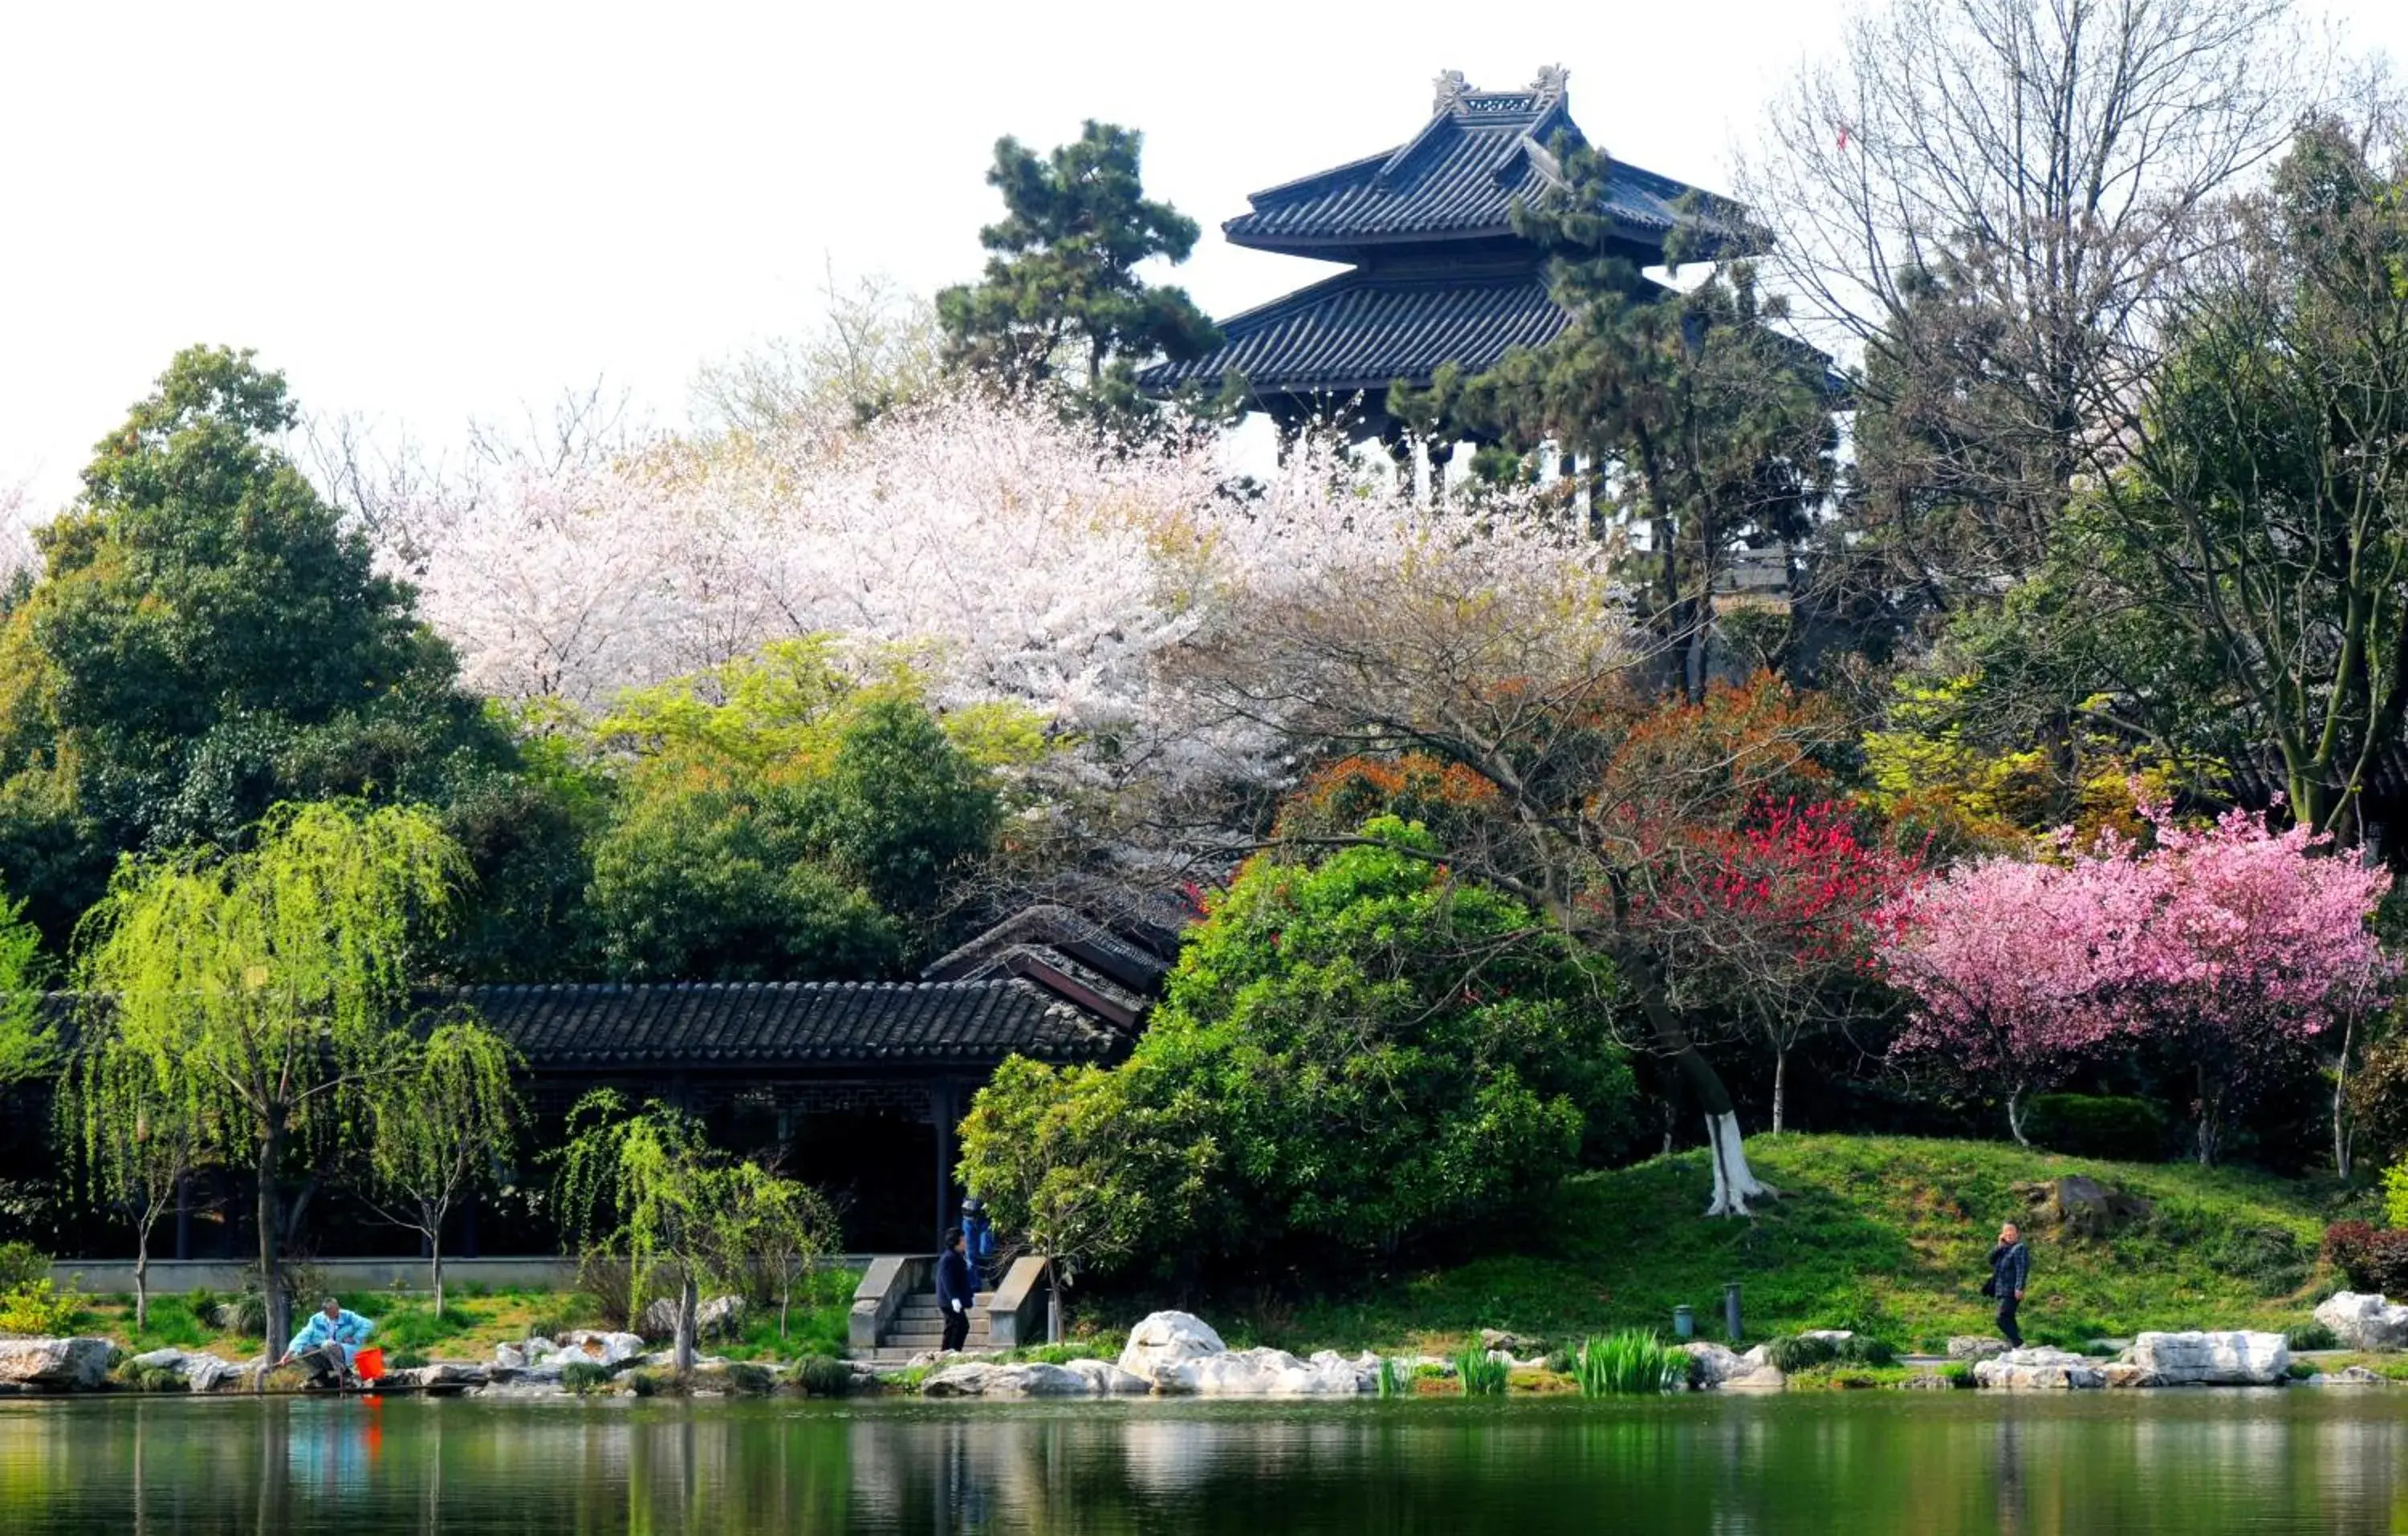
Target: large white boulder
2364	1321
1715	1369
201	1371
1975	1346
2213	1359
55	1364
1263	1374
590	1346
1166	1339
1105	1379
2039	1370
1178	1352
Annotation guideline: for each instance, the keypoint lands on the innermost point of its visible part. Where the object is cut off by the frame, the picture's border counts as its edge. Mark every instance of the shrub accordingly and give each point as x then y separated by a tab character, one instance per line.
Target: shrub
245	1314
611	1284
1957	1373
2311	1336
1479	1375
38	1308
129	1377
2267	1257
21	1264
2370	1258
583	1376
407	1359
1632	1363
824	1376
2129	1131
1798	1351
1394	1379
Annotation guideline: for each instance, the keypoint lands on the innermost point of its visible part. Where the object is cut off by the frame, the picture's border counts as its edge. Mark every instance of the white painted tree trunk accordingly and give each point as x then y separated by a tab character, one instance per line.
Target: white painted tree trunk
1735	1183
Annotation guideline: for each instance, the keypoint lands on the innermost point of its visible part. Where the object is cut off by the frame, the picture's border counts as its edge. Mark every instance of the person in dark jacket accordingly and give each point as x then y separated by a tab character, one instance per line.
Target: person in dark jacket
2010	1272
956	1290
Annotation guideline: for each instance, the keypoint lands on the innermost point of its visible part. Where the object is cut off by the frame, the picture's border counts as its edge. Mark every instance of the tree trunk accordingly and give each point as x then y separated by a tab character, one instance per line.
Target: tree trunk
1780	1085
688	1301
271	1275
2341	1100
434	1263
142	1277
1052	1303
1735	1183
2016	1116
2211	1119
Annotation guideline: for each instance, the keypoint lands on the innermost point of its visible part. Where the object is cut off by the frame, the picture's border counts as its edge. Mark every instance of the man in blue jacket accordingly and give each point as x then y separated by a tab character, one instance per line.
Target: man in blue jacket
2010	1271
956	1290
327	1342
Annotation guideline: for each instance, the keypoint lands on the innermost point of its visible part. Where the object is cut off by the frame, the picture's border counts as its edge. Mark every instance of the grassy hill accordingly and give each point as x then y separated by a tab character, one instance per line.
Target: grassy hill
1880	1234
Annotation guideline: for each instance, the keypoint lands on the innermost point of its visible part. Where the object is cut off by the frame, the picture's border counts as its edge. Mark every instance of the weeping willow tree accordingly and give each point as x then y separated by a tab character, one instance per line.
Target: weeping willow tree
440	1128
27	1043
139	1139
646	1188
260	987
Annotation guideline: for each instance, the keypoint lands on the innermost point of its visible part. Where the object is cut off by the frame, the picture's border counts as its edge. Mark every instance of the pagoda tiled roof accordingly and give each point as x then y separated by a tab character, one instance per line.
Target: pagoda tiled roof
1360	330
774	1026
1458	178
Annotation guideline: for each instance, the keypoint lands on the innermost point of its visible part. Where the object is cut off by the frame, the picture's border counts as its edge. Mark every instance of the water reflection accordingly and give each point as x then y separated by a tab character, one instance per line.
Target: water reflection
2192	1463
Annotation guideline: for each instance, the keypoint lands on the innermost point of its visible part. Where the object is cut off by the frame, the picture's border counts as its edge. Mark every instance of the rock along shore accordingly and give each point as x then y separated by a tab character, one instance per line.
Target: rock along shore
1174	1354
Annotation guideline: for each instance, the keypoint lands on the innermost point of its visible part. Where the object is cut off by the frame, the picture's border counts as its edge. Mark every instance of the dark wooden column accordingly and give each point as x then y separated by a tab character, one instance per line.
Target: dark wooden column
943	1112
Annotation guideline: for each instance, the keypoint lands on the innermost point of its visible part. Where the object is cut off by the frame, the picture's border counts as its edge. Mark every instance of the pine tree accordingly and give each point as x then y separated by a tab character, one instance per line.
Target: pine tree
1061	301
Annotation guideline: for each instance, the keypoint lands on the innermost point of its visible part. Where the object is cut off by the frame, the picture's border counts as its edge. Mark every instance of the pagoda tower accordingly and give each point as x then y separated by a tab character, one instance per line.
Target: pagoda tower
1438	274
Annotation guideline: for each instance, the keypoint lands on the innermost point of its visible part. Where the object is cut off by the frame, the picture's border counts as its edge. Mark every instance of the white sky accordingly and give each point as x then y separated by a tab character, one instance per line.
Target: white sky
426	212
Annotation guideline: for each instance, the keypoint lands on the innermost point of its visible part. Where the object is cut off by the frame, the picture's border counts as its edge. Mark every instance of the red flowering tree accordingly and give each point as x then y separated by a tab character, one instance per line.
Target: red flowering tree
1775	921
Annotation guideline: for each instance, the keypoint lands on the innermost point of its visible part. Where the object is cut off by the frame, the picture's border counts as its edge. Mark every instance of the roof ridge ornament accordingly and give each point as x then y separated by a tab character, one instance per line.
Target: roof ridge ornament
1451	89
1552	82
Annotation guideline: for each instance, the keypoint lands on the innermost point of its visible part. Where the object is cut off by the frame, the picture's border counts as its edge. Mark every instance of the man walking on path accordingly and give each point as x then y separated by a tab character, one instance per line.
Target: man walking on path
956	1291
2010	1269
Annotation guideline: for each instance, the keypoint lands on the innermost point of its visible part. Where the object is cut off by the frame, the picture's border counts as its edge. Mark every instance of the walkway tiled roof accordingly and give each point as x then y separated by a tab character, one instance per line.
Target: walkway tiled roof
1459	178
782	1025
1361	330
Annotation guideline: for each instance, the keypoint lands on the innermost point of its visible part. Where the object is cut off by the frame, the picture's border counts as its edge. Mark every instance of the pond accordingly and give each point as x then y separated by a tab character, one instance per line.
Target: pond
2196	1462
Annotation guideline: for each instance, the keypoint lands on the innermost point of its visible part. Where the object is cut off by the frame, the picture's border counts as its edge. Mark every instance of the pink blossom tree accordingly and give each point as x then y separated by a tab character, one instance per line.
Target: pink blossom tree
2260	942
2232	946
2010	969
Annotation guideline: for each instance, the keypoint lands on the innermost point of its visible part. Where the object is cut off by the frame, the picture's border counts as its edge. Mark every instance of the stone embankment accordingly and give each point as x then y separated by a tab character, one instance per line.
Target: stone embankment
1176	1353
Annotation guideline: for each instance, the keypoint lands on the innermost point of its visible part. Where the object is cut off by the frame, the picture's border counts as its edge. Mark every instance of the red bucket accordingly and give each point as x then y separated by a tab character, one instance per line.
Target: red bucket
368	1364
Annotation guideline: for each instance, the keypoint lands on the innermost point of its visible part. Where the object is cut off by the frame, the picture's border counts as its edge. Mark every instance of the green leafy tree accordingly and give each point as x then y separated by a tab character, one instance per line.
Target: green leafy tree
207	637
1081	1170
1061	299
902	807
441	1127
646	1188
730	883
260	987
1355	1057
782	818
139	1141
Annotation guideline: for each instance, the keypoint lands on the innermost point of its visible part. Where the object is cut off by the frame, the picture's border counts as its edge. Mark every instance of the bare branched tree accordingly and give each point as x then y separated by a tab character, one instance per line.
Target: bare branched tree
875	346
1981	198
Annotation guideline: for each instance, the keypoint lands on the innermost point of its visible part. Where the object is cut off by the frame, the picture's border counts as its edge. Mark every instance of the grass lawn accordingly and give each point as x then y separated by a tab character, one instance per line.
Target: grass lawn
1885	1235
474	1320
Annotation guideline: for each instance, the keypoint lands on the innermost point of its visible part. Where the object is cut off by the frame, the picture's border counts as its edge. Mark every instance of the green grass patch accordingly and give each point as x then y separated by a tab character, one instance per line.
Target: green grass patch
1480	1376
1882	1235
1631	1363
